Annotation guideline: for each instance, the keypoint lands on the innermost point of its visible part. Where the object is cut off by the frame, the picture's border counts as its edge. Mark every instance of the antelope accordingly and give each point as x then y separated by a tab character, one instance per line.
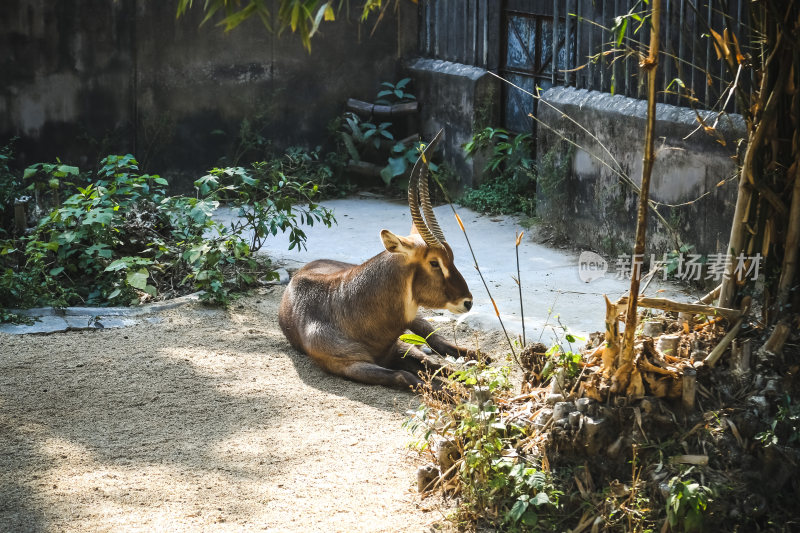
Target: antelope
348	317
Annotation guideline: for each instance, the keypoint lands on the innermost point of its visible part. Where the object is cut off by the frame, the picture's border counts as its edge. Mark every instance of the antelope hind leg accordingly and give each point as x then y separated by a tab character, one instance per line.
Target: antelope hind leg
425	329
349	359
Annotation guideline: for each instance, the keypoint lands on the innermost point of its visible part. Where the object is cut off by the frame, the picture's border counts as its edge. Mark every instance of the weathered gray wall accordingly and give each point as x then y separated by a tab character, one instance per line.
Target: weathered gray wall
599	212
461	99
127	75
65	75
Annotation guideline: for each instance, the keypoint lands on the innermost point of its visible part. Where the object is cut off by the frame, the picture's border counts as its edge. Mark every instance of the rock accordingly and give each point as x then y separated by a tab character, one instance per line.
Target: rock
562	410
542	418
596	434
652	329
667	344
555	398
583	405
772	389
447	455
283	277
426	477
759	404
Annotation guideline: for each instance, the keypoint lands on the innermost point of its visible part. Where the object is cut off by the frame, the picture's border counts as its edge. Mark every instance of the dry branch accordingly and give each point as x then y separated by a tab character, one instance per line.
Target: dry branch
679	307
689	459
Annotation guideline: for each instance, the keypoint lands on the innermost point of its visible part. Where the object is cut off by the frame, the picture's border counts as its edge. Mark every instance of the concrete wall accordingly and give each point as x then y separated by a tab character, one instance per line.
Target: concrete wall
598	212
461	99
65	76
87	76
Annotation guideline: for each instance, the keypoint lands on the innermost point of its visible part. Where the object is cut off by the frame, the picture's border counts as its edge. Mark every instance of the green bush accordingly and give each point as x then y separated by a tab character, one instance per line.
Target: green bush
511	184
118	238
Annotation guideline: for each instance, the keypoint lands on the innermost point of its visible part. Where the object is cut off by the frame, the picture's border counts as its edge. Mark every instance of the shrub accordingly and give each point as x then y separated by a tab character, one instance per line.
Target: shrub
118	238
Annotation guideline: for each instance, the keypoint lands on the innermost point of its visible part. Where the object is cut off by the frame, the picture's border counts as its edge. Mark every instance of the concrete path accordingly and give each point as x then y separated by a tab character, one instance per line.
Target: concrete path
553	291
550	276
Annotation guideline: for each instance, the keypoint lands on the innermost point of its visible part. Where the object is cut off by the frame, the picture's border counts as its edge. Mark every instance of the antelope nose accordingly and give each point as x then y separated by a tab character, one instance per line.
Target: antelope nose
468	304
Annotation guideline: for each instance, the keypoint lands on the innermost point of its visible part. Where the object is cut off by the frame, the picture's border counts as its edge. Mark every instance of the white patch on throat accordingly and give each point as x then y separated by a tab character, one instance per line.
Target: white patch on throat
410	306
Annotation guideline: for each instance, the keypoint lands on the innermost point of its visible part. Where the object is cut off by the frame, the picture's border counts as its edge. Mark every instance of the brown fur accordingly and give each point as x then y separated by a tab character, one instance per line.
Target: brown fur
348	317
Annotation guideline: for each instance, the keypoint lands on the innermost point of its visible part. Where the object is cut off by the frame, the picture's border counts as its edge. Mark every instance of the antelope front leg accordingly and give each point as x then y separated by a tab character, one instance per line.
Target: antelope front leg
425	329
372	374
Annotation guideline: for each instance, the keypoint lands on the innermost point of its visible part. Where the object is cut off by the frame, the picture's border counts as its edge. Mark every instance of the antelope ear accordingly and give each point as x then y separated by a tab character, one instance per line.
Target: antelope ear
397	244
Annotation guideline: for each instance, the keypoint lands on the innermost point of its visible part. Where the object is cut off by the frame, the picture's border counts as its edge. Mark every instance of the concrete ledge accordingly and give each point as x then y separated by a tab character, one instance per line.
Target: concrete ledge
52	320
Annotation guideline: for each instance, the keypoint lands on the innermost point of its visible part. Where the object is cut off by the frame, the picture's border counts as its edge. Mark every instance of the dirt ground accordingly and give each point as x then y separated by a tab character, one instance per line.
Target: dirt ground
204	419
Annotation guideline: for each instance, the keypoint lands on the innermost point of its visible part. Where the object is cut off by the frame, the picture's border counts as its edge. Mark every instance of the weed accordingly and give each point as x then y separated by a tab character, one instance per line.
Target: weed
686	503
496	482
784	429
394	93
510	168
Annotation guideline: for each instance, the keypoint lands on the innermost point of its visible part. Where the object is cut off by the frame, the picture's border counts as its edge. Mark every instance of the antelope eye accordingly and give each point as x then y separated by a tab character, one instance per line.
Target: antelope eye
434	264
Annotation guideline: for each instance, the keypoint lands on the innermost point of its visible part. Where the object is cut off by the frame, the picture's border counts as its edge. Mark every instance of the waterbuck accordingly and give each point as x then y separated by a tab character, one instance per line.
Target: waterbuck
348	317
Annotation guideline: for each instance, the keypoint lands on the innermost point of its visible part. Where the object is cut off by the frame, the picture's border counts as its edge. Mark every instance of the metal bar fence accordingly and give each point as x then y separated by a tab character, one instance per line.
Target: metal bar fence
580	35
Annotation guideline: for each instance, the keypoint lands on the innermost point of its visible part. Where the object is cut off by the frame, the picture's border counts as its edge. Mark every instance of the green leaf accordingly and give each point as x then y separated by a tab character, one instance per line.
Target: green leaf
515	514
138	279
67	169
540	499
411	338
56	271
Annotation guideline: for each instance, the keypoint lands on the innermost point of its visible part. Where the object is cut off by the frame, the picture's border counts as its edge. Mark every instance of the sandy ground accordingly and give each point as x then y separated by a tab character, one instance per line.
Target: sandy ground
204	420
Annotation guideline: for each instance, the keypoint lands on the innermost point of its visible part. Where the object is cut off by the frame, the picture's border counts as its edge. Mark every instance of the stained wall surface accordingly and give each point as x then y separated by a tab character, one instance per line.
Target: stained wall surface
693	185
84	77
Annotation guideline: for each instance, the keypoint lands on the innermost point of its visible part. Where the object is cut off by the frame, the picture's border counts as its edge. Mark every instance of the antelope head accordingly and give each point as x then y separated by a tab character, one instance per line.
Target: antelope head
436	282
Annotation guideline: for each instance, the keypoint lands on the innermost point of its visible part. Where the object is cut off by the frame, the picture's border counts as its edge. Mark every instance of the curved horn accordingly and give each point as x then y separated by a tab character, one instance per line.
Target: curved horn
413	200
424	193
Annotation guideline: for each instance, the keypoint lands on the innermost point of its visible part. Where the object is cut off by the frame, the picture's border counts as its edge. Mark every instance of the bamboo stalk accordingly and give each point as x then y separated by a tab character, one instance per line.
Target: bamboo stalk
717	352
746	181
789	266
650	64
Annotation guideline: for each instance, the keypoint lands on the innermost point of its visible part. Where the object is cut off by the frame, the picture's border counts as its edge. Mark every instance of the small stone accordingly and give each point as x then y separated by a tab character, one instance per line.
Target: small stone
543	418
447	455
555	398
583	404
562	410
426	477
652	329
667	344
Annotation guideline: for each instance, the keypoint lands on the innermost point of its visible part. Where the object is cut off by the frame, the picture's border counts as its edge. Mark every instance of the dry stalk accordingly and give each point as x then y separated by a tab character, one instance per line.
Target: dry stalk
650	64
